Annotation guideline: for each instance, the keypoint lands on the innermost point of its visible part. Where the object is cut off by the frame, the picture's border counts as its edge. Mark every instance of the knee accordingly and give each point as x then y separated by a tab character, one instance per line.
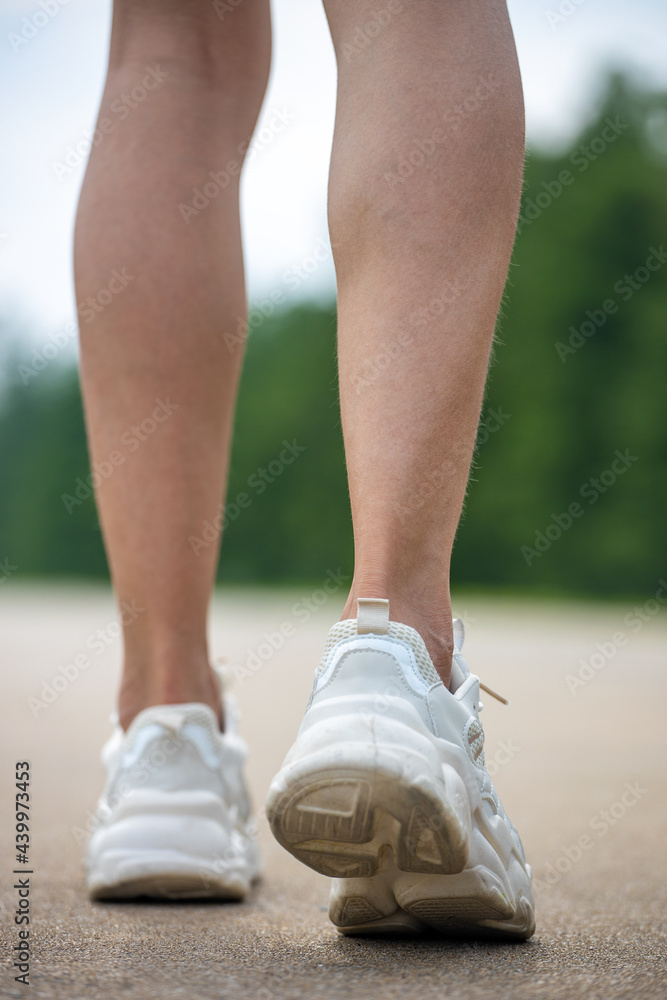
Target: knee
223	47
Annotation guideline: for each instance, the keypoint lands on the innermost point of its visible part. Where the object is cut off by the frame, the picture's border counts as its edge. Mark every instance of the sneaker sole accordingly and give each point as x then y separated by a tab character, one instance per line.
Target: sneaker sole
474	902
152	849
128	875
392	824
341	818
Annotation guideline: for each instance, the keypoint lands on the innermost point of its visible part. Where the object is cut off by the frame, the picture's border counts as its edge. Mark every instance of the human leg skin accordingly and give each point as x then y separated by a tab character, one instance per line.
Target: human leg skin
385	787
182	96
424	195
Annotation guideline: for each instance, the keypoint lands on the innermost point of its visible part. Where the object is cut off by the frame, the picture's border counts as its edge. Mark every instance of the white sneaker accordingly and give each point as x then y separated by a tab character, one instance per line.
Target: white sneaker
386	790
174	819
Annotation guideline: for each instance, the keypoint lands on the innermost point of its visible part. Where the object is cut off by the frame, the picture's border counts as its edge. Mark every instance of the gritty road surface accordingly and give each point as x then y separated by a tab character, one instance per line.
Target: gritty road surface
579	766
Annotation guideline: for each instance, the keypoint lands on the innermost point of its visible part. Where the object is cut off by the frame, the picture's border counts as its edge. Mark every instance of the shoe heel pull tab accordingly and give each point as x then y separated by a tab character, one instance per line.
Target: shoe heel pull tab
171	720
372	615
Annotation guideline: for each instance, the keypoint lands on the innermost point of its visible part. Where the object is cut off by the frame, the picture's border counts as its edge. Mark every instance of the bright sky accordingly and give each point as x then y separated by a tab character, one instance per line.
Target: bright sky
55	80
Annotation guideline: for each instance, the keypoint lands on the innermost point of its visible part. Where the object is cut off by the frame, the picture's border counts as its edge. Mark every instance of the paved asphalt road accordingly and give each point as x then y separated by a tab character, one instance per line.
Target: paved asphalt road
580	771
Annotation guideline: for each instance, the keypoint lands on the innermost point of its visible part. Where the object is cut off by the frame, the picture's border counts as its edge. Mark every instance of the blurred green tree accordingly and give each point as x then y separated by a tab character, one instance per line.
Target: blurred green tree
577	379
579	382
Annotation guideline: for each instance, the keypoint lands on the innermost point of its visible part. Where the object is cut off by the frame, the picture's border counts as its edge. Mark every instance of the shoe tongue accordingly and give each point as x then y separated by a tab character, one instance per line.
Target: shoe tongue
459	634
459	667
459	674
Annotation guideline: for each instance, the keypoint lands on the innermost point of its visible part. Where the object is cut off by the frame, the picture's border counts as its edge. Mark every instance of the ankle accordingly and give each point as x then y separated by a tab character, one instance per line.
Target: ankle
432	619
145	686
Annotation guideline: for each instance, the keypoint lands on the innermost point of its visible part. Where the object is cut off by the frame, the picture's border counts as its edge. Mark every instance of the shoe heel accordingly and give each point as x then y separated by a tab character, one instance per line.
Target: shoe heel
348	813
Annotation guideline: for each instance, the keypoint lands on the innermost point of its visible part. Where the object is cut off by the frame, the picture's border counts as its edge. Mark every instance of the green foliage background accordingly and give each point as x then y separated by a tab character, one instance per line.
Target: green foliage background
562	417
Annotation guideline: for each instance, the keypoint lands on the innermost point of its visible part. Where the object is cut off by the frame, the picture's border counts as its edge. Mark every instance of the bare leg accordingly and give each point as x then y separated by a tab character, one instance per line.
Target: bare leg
161	337
424	195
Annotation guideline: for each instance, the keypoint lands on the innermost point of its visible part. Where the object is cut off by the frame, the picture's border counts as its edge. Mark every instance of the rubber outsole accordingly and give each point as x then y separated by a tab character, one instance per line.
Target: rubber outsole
171	846
397	841
474	903
342	820
164	875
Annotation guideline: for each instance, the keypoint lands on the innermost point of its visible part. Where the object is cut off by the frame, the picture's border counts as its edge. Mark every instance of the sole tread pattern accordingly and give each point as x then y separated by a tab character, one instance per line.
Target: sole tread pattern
341	825
397	853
